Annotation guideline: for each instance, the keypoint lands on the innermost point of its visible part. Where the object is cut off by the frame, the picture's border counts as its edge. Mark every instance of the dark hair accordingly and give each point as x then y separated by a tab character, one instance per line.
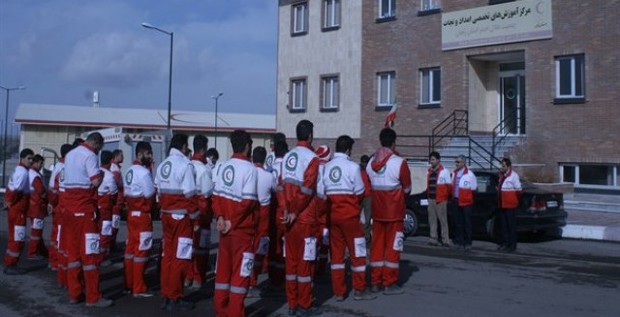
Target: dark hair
77	142
106	157
278	136
304	130
200	143
116	153
364	159
387	137
37	158
259	154
344	143
212	153
239	139
95	137
507	161
142	147
25	152
178	140
64	149
435	154
280	148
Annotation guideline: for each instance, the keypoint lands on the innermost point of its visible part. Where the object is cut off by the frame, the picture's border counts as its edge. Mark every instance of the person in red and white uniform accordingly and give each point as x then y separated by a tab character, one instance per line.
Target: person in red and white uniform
299	174
57	258
271	156
438	188
37	210
265	186
322	206
140	199
276	227
391	181
235	210
115	168
344	188
202	222
106	193
465	184
176	186
509	194
81	178
17	199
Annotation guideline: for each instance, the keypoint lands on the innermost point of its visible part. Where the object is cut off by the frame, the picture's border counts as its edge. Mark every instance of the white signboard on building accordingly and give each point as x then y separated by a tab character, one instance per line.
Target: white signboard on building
517	21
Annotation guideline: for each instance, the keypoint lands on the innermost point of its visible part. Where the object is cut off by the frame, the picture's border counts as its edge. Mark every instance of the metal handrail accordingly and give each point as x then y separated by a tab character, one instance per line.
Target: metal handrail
459	125
498	131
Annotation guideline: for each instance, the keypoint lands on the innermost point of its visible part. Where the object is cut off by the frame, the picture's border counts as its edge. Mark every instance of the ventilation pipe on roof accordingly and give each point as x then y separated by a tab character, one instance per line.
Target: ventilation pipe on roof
96	99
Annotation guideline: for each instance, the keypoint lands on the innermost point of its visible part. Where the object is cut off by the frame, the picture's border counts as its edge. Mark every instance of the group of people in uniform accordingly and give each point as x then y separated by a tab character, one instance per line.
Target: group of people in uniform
283	212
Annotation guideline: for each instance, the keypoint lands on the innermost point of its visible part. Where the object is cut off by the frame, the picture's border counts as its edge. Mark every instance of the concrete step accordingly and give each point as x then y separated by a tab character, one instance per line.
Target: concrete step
591	206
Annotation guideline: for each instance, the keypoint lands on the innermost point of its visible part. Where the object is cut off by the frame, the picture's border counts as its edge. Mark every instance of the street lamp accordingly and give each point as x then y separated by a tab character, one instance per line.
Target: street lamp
149	26
6	124
216	99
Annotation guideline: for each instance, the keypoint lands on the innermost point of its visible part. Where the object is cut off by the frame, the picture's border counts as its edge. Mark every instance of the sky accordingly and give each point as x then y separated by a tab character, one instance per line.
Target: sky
63	50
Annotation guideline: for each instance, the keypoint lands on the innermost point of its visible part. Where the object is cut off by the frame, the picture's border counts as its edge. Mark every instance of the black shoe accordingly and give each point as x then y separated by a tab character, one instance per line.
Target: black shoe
179	305
164	303
13	270
102	302
501	248
376	288
292	311
363	295
312	311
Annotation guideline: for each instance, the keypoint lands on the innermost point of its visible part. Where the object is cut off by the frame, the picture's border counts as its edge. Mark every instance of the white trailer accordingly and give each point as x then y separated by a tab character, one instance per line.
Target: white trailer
119	139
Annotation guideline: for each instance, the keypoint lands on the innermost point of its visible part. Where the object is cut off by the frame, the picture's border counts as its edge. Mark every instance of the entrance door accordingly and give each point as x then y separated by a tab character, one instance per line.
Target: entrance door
512	102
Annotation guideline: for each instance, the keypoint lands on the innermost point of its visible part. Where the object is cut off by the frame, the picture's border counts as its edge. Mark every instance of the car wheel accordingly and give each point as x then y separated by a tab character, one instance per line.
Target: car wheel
493	229
410	223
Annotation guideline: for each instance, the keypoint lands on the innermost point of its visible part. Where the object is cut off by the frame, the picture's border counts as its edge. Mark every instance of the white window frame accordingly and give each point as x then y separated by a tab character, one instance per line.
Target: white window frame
426	5
299	12
330	86
389	99
614	182
573	76
299	94
331	13
428	83
391	6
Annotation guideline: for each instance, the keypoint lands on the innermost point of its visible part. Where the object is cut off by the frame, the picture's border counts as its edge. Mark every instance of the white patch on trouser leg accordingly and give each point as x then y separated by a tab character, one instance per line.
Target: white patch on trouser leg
283	247
91	243
398	241
325	236
184	248
106	228
263	246
146	240
116	221
310	249
247	264
37	223
360	247
19	233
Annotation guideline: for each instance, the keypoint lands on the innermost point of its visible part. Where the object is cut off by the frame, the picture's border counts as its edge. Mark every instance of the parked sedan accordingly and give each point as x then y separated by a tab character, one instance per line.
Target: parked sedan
539	210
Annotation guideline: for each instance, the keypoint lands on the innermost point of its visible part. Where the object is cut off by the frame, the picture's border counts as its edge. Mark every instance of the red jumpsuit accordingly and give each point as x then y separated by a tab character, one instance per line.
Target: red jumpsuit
299	174
265	185
82	232
277	228
202	224
52	196
115	168
140	198
391	181
37	210
17	198
177	188
106	200
345	189
235	201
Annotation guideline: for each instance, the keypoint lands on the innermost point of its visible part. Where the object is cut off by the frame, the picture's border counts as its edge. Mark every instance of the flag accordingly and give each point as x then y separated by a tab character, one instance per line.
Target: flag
389	120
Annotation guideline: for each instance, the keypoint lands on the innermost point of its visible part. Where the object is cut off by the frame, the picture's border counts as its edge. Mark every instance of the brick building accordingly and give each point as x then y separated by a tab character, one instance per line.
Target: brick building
540	76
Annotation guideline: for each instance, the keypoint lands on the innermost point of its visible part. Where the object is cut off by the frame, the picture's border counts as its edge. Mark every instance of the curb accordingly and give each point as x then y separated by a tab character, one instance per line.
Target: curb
591	232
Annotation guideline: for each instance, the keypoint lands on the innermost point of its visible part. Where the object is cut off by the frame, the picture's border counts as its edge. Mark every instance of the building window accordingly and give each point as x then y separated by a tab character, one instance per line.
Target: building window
331	14
603	176
492	2
570	79
428	7
386	9
330	93
298	95
385	89
430	86
299	22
